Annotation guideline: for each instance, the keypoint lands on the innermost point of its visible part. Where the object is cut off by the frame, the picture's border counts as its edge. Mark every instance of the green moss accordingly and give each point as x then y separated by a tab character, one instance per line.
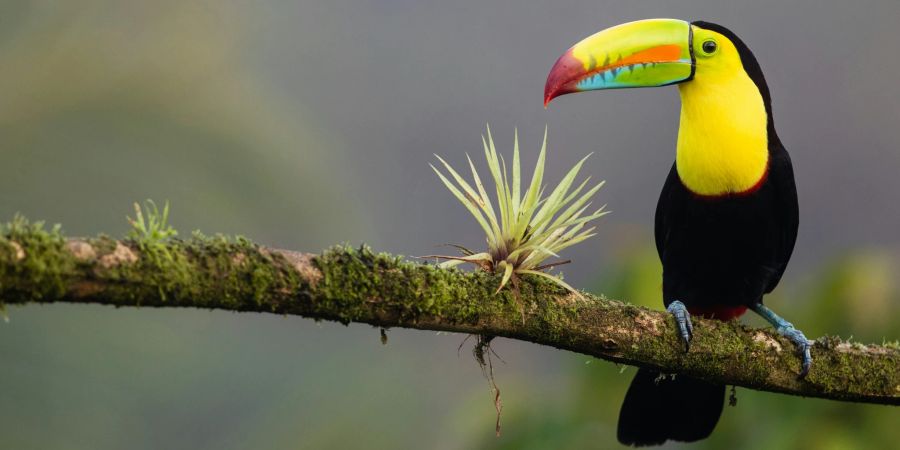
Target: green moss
146	270
550	318
358	284
103	244
213	272
220	272
35	263
356	281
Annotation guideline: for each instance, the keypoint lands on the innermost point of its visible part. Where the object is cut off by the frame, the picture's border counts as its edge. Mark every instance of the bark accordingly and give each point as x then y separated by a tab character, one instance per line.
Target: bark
357	285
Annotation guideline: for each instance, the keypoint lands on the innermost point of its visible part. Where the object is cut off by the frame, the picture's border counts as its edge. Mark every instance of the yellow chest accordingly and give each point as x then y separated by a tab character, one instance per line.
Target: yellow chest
722	139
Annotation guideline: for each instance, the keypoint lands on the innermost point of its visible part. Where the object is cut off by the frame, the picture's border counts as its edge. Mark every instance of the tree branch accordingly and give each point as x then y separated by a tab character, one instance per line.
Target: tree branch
350	285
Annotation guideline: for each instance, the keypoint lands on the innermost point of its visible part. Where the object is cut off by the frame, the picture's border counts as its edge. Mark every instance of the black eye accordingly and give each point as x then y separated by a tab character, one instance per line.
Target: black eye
709	47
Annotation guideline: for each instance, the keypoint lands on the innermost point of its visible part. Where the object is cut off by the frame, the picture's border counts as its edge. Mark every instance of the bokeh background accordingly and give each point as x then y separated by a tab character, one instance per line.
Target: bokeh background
307	124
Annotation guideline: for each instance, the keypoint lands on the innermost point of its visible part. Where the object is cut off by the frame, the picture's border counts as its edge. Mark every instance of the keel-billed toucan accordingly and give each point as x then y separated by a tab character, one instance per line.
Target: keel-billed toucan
727	217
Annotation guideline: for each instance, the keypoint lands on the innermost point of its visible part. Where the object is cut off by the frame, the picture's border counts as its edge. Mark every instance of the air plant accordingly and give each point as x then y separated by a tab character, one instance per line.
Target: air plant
155	228
524	228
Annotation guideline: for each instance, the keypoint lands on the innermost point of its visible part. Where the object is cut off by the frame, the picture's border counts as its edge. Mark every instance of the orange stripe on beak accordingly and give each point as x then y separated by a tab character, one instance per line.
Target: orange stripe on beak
660	54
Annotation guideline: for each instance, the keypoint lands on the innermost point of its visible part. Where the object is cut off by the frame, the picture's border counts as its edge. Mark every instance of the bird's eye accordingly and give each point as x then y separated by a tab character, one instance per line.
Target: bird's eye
709	47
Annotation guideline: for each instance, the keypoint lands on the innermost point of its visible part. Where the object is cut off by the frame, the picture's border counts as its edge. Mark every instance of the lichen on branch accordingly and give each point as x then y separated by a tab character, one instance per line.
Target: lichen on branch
344	284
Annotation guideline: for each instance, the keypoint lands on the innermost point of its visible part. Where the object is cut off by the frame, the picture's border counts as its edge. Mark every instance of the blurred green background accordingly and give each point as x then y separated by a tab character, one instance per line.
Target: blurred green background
306	124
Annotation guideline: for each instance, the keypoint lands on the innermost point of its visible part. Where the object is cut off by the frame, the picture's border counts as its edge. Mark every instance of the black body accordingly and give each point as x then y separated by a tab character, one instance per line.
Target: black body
717	252
730	250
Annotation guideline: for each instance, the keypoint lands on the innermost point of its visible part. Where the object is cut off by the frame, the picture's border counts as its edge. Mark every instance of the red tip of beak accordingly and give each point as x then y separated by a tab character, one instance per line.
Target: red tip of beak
563	77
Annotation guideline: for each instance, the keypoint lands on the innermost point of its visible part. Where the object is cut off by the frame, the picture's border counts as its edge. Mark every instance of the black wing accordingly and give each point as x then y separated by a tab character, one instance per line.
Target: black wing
665	208
781	173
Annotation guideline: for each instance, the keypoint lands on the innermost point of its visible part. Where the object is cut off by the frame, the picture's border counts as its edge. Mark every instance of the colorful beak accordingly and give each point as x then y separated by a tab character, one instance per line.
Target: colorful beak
645	53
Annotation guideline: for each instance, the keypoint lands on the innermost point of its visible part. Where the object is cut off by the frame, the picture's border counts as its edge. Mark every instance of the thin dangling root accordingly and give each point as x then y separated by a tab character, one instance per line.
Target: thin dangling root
482	353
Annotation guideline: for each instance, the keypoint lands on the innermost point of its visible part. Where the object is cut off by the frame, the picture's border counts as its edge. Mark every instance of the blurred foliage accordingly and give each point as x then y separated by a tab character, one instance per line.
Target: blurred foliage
105	102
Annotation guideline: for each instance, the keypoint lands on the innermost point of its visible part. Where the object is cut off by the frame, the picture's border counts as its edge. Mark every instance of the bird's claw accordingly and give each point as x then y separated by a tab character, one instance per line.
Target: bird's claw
683	319
803	346
787	330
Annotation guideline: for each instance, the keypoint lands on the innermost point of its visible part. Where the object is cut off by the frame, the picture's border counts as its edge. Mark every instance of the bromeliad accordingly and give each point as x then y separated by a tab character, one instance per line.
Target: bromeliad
524	228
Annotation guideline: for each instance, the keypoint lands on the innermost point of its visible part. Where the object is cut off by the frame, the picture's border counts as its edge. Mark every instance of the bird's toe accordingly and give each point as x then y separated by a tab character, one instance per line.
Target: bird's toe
683	320
803	347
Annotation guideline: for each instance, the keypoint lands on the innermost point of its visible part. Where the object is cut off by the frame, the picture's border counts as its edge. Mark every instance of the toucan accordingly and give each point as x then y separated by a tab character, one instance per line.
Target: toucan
727	217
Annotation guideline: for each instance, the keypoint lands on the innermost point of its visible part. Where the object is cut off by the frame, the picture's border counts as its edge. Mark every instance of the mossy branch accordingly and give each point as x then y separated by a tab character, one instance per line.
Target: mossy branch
356	285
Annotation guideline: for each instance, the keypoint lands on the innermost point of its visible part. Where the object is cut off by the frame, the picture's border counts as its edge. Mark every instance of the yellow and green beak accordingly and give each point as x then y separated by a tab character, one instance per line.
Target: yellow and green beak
645	53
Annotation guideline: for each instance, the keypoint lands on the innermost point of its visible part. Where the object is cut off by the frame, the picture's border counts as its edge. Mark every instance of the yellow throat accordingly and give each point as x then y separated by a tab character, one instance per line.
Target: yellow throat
723	139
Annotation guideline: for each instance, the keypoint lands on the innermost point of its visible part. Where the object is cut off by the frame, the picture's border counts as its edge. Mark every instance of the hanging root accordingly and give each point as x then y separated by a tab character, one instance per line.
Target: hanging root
482	353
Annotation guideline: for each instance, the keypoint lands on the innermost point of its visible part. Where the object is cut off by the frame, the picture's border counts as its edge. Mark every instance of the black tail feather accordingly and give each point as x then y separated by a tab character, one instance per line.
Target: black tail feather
681	409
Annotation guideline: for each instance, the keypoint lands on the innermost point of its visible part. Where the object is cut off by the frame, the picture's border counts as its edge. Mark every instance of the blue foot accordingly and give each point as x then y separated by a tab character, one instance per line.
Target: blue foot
787	330
683	319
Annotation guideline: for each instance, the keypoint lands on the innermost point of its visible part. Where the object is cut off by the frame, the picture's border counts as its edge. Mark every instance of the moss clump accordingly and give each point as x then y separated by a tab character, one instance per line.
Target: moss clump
211	272
36	265
552	308
239	273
